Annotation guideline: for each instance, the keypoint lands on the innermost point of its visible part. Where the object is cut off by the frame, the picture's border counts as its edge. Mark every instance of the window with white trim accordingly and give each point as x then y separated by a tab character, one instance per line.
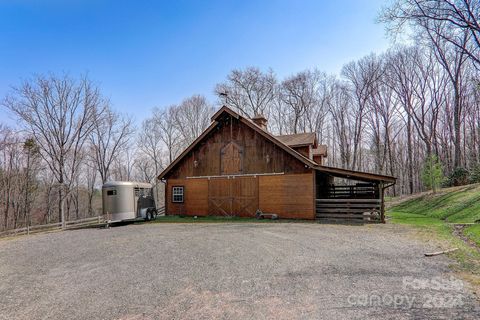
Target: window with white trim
177	194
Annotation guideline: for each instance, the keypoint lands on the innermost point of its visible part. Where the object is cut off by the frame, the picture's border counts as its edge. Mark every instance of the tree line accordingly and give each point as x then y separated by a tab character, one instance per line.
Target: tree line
402	112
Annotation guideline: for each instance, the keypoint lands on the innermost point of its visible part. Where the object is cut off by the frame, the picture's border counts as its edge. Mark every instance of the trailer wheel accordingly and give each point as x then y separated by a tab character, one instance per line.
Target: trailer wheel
147	215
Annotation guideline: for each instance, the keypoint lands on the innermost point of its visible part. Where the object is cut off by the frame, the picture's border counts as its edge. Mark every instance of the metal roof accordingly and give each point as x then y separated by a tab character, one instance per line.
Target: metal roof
126	183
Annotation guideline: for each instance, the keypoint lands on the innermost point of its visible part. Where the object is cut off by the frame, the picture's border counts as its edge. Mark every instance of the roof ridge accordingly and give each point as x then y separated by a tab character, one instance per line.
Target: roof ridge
250	123
274	139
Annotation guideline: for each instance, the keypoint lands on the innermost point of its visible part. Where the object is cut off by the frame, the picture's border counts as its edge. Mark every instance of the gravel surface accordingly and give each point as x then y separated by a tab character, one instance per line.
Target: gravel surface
229	271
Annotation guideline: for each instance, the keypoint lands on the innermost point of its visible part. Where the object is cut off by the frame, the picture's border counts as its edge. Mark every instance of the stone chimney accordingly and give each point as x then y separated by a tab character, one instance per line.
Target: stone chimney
260	121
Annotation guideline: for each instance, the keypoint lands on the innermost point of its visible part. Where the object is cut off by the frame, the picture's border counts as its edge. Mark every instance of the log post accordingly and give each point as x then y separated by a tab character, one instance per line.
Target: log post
382	199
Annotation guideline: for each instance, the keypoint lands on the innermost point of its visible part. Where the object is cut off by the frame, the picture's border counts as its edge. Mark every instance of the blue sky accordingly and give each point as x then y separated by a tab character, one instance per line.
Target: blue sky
155	53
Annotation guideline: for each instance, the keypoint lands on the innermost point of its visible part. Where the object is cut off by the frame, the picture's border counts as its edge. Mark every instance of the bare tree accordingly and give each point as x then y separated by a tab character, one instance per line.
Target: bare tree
91	180
400	76
59	113
9	147
169	135
19	165
249	91
110	135
30	185
453	60
315	116
123	166
460	18
363	76
339	103
192	116
144	171
300	94
151	147
150	144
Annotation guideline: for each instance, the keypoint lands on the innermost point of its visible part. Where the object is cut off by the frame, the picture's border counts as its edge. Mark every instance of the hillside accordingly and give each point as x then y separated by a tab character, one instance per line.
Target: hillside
447	219
457	205
454	205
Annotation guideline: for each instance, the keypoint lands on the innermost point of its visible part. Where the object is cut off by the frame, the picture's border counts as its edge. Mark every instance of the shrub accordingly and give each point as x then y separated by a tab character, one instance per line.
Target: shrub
459	177
475	174
432	174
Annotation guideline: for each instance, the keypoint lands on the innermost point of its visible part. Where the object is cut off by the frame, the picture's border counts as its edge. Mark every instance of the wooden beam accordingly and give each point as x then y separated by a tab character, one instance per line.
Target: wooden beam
349	200
342	216
341	209
233	176
348	205
382	196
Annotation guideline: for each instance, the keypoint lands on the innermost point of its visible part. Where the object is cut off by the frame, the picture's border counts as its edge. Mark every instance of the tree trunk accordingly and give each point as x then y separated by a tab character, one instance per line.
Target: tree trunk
457	128
410	154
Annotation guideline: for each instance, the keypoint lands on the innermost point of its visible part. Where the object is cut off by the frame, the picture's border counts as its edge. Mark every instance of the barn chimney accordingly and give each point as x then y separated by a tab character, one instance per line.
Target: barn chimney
260	121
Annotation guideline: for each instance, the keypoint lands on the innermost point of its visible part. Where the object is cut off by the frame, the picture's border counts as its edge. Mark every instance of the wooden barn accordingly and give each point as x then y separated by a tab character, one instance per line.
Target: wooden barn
237	167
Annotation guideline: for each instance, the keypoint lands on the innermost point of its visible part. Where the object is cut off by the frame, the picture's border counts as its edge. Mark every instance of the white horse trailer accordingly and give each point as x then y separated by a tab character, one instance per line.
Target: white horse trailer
128	200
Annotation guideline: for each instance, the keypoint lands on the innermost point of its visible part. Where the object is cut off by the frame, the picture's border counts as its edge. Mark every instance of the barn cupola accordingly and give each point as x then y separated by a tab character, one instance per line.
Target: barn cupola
260	121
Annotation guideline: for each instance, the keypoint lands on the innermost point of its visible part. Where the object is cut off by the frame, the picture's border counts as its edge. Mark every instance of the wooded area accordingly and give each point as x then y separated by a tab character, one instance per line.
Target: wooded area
386	113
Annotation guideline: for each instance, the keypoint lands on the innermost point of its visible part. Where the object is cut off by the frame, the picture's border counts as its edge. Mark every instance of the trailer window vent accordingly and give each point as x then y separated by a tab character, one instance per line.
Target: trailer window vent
112	192
177	194
136	190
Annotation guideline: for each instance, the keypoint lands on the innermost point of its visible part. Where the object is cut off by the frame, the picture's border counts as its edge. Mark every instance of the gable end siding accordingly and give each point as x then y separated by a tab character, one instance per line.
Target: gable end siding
259	154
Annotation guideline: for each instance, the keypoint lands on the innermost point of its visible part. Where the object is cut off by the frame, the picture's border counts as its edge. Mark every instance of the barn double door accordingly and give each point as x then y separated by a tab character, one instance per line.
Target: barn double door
236	196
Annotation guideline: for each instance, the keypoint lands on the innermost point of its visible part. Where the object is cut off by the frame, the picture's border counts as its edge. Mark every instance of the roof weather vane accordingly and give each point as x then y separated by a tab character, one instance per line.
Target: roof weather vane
224	94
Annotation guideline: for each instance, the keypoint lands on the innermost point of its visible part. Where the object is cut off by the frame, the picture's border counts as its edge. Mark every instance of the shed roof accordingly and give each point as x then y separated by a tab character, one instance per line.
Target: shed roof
355	175
298	139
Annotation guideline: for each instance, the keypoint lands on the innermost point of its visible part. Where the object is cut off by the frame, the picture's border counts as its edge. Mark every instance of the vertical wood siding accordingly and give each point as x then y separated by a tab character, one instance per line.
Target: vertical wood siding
289	196
258	155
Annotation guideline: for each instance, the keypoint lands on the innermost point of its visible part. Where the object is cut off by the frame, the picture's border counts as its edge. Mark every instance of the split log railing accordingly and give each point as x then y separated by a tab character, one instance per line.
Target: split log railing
361	190
363	210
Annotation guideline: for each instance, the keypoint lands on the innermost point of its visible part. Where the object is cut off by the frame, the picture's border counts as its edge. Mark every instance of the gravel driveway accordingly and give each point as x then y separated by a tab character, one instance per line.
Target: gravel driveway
228	271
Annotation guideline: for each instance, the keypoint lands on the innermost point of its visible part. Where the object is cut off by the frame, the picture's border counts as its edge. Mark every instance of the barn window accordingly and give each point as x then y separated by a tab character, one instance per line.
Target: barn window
177	194
112	192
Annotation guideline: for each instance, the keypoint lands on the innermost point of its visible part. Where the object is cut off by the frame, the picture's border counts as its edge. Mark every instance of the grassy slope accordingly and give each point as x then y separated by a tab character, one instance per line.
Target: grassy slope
433	215
451	205
456	205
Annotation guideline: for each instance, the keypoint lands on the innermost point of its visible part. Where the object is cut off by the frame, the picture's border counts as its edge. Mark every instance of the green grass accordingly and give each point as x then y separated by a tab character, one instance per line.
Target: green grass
451	205
455	205
433	215
473	232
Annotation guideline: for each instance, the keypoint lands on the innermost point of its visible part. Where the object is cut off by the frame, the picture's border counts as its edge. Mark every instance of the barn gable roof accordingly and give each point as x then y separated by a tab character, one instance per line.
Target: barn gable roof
279	143
298	139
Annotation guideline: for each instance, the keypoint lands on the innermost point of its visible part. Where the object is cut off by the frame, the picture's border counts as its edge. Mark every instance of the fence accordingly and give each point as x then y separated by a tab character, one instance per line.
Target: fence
361	190
161	211
349	209
57	226
53	226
